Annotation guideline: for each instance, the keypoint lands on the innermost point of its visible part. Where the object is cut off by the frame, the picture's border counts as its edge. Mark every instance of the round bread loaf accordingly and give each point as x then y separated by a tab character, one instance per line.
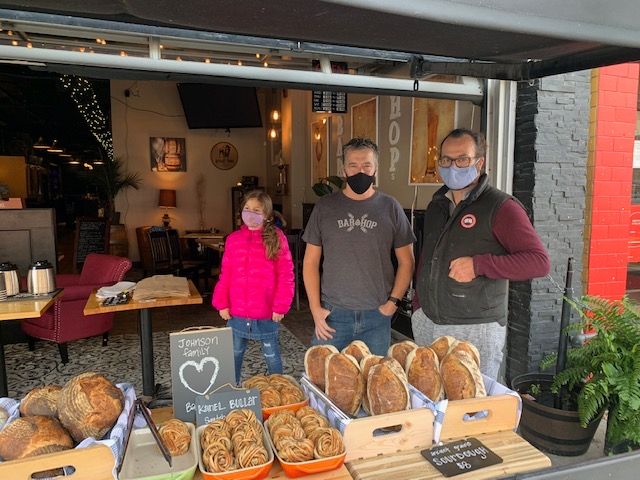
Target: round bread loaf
400	350
365	365
343	382
442	345
464	346
89	405
41	401
31	436
314	359
461	376
387	389
423	372
357	349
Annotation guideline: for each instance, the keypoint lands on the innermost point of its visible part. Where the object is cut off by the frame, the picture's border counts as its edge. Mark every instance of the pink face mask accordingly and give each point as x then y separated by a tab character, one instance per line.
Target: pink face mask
252	219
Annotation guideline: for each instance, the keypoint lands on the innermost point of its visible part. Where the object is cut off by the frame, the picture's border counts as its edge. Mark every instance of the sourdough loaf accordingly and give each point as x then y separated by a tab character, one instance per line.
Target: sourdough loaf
357	349
89	405
31	436
314	360
423	372
343	382
387	389
365	365
464	346
442	345
41	401
461	376
400	350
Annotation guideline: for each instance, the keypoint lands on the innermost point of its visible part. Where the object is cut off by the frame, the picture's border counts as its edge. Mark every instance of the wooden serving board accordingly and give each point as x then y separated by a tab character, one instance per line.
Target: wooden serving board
517	455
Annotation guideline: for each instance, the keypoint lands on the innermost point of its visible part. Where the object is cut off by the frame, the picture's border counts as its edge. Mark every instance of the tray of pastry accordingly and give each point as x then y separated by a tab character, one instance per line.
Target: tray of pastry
304	442
144	460
278	392
235	447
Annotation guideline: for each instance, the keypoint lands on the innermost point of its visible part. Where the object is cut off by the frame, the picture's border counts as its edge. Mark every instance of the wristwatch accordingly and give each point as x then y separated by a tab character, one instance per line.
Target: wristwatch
395	300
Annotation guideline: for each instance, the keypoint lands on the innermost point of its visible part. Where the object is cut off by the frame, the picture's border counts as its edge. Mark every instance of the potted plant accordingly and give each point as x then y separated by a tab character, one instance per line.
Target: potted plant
603	373
327	185
110	179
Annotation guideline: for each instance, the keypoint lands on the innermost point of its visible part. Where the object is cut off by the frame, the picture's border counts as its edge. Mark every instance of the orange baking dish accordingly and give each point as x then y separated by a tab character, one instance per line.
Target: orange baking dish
250	473
300	469
294	407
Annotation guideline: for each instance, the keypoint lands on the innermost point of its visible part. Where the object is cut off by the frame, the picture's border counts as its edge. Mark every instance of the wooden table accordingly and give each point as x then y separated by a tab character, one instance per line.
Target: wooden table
160	415
19	309
93	307
212	243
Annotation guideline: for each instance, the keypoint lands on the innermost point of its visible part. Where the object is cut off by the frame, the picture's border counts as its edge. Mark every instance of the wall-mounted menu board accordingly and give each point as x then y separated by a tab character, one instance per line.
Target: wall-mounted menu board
92	236
329	102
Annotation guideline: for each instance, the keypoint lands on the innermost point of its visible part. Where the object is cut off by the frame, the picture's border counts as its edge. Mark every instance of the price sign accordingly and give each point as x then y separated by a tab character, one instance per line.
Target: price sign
329	102
461	456
225	399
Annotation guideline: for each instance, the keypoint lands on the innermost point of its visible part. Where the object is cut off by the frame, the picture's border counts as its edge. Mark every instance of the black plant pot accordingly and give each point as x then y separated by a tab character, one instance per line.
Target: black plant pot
551	429
622	446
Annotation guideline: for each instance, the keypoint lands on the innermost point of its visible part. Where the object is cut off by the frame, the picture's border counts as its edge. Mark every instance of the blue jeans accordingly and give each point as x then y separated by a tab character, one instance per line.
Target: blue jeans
264	331
369	326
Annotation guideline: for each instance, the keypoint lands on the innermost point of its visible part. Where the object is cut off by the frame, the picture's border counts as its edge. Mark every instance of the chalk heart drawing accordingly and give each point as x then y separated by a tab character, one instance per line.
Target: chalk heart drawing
200	368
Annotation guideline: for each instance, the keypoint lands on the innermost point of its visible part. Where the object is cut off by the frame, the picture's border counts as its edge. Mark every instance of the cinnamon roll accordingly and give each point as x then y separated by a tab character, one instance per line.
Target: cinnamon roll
176	436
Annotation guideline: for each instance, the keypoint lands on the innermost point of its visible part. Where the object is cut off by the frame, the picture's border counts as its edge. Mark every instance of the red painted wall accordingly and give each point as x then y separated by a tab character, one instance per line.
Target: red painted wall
615	95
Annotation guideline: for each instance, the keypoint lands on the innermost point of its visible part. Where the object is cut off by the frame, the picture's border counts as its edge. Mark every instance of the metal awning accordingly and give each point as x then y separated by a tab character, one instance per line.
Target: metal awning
505	39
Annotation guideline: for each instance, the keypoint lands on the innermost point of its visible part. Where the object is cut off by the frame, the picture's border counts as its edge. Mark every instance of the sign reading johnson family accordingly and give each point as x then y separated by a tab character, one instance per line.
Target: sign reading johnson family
201	361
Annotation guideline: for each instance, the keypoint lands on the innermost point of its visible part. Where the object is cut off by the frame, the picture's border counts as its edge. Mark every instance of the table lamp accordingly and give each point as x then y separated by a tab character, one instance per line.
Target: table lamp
167	200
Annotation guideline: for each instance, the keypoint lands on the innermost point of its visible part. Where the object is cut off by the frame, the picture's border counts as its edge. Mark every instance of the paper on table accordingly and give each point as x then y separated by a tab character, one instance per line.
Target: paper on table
113	290
161	286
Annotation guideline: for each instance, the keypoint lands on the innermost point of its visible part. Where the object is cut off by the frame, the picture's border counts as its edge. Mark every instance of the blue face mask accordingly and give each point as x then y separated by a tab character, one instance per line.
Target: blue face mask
458	178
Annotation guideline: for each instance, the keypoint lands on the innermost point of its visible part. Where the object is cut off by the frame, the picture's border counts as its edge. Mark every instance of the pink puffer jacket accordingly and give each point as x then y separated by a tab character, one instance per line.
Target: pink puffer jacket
251	285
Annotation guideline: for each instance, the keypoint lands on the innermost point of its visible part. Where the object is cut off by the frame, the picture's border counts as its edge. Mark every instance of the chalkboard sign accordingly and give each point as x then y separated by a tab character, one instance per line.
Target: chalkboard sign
201	361
92	236
219	403
461	456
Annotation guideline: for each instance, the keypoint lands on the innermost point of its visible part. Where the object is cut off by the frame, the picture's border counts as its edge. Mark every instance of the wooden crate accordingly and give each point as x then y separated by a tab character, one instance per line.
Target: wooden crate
91	463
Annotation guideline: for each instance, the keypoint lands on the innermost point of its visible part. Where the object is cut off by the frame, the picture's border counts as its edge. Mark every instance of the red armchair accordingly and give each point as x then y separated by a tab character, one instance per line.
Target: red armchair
65	321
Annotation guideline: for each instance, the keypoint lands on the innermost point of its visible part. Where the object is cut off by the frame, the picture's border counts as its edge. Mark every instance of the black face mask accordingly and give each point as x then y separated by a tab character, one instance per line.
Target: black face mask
360	182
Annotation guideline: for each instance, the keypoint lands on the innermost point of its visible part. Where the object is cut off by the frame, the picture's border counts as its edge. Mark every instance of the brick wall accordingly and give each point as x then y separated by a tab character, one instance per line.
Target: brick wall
550	170
614	96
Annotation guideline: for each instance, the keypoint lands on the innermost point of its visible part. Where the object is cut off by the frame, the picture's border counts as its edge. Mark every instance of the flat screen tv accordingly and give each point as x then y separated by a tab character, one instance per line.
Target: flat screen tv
219	106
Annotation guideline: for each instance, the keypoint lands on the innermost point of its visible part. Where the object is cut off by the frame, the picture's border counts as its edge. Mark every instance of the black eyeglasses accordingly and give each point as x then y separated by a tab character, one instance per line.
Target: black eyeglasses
460	162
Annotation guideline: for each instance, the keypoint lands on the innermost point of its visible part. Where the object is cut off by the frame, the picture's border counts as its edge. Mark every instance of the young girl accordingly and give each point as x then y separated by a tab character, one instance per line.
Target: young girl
255	288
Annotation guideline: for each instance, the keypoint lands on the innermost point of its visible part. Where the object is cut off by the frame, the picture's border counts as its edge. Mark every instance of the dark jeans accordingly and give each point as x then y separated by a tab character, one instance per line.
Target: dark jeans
369	326
264	331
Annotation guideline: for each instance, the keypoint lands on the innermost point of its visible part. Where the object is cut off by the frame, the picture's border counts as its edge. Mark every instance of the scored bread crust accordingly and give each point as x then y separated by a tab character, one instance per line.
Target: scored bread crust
461	376
343	382
365	365
387	389
357	349
423	372
41	401
32	436
314	359
400	350
470	348
442	345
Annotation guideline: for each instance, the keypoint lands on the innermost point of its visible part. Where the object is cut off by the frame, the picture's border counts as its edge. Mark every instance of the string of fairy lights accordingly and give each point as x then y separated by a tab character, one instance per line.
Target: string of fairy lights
83	95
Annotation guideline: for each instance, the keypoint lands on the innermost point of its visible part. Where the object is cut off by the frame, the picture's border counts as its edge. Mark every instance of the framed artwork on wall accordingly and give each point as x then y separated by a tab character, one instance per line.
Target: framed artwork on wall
168	154
431	120
224	155
364	119
319	150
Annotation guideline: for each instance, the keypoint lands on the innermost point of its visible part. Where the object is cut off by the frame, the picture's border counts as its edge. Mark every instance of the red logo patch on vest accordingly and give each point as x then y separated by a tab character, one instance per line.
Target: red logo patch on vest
468	221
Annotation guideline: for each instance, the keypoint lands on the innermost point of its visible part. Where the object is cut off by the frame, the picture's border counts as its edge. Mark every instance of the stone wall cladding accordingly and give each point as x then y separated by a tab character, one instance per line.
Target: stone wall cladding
550	170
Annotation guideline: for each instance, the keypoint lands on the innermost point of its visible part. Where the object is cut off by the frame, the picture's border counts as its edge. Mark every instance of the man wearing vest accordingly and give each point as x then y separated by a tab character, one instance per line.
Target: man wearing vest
476	239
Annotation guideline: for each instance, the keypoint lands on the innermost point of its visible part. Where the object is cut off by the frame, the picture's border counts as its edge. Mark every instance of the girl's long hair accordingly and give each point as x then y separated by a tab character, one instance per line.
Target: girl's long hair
270	237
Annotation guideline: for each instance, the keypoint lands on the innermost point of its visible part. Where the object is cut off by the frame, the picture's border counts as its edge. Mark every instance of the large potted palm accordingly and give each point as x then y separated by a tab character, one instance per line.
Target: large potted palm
603	373
111	178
